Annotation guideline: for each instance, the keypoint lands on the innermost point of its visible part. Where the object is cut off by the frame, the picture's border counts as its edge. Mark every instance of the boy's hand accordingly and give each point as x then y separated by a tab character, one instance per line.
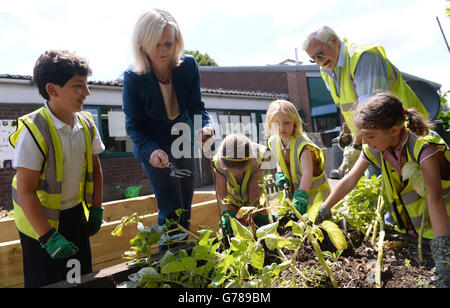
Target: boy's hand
281	179
58	247
95	219
300	201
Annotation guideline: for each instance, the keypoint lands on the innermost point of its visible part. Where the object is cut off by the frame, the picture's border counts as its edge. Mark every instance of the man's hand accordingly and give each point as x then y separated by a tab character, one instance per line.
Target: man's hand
351	155
159	159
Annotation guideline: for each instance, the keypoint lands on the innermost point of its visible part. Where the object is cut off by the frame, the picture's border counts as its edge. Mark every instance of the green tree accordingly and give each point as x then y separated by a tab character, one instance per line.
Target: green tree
202	59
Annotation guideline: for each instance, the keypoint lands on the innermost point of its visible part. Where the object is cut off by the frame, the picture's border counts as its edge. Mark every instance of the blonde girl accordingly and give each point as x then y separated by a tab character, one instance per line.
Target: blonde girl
394	137
300	163
237	167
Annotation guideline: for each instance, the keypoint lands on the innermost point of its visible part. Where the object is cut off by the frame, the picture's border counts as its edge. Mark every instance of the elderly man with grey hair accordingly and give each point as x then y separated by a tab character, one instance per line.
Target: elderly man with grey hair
354	72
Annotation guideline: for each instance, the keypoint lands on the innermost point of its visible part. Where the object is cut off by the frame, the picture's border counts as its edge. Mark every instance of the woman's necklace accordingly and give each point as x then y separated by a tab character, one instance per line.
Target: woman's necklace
164	80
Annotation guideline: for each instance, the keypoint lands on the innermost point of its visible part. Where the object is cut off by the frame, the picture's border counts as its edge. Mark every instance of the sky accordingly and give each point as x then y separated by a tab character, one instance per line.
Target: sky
232	32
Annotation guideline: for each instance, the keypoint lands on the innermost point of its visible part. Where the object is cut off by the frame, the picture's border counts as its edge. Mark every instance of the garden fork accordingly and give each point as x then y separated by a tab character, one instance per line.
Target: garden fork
178	173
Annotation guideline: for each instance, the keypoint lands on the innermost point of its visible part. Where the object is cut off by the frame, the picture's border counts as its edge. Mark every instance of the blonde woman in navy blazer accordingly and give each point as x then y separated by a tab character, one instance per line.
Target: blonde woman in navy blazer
161	90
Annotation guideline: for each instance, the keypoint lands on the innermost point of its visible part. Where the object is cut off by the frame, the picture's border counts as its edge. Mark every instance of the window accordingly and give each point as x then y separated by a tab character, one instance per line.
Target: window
110	122
251	124
324	113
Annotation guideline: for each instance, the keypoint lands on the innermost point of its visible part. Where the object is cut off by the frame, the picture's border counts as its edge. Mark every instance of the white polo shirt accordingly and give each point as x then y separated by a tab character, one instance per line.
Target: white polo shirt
27	155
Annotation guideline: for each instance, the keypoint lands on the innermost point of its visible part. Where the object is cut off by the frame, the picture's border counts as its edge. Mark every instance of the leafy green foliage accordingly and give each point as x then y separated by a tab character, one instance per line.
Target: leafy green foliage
359	206
242	264
444	113
202	59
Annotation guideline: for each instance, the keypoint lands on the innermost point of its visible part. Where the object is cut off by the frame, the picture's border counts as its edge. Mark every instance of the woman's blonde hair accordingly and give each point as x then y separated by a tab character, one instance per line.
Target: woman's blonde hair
287	108
147	33
235	152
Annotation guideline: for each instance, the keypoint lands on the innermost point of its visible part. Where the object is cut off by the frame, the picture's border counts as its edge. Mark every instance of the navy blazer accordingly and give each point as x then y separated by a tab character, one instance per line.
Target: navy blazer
145	114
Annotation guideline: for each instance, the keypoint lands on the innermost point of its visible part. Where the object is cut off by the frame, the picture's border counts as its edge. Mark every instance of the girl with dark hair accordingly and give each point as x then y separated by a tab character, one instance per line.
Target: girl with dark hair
415	164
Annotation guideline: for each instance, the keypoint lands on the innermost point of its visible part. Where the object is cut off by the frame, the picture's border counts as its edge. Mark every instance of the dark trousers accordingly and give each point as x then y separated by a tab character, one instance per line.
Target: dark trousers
172	193
40	269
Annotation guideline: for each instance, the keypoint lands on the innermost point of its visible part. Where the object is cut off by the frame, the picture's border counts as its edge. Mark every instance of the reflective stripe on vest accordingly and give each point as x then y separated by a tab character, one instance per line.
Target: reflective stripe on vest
238	193
319	183
407	202
347	95
41	128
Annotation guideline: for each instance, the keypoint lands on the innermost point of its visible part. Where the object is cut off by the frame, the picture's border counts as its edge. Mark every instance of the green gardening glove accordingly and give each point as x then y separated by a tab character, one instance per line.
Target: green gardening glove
300	201
323	214
263	219
225	220
58	247
440	249
281	179
95	219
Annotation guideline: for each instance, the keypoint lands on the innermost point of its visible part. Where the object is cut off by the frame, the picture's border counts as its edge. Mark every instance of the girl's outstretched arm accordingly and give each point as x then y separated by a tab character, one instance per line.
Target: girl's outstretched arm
436	205
349	181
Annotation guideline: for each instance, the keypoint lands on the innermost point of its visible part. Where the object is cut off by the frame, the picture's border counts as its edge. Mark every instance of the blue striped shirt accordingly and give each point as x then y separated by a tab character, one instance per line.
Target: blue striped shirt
370	77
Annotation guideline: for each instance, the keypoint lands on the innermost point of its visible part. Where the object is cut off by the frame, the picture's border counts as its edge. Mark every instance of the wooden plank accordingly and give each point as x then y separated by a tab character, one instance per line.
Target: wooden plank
107	250
8	230
205	214
11	268
114	210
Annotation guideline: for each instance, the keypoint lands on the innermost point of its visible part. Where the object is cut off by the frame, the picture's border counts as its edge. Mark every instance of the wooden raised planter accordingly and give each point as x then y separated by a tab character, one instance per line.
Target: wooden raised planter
107	250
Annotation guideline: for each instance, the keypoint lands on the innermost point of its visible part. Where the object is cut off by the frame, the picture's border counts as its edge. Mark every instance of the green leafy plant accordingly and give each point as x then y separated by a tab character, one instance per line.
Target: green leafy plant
334	255
444	113
209	264
241	265
358	208
305	228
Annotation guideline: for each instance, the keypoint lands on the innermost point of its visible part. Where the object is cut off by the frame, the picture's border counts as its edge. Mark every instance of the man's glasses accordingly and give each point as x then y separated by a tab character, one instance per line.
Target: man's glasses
319	56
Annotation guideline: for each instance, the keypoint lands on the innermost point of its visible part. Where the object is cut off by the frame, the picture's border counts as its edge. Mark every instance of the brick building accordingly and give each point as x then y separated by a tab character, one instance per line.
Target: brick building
232	95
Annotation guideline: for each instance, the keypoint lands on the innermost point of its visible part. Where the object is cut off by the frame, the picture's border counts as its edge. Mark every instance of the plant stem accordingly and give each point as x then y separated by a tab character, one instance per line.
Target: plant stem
422	228
188	232
316	247
322	260
379	263
377	218
369	229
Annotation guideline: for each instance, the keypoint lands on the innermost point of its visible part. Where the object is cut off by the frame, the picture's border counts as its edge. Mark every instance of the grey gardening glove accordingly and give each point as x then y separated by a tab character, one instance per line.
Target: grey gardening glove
440	248
323	214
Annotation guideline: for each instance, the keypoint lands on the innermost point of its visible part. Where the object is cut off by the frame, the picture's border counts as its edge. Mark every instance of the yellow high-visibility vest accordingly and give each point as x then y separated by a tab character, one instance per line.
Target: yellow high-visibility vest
406	203
347	95
294	173
238	193
41	127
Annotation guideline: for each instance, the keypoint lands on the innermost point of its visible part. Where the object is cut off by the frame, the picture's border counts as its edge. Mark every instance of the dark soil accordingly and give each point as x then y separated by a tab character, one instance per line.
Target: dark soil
355	267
